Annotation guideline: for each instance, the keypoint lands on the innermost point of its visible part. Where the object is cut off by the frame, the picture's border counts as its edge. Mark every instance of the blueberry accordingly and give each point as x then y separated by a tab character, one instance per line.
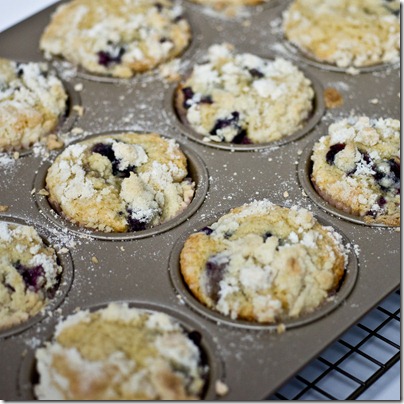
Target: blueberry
135	224
267	235
34	277
105	58
241	137
107	151
215	271
195	337
20	70
224	123
207	230
188	95
256	73
159	7
334	149
381	201
393	175
206	99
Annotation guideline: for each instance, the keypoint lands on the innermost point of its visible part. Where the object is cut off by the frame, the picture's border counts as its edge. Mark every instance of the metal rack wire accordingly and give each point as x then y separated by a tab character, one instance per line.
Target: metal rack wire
354	362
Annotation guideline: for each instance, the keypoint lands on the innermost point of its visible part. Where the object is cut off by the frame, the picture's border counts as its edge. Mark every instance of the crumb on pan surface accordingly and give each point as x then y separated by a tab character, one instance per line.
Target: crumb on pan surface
32	101
346	33
265	263
356	168
241	98
116	37
120	353
29	274
120	183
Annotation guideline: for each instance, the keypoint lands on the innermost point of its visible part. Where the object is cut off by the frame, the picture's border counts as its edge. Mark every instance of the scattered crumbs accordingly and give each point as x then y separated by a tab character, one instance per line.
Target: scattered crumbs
79	87
33	191
221	388
374	101
122	248
246	23
299	152
170	70
6	161
43	192
63	250
397	229
285	194
94	260
53	142
180	299
280	329
77	131
16	155
4	208
270	159
304	193
356	249
79	109
333	98
77	309
352	71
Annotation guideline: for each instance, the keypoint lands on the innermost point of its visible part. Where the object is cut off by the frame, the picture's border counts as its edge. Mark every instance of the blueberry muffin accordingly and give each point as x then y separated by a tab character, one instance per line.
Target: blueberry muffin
356	168
120	353
345	33
120	183
32	102
243	99
29	274
264	263
116	38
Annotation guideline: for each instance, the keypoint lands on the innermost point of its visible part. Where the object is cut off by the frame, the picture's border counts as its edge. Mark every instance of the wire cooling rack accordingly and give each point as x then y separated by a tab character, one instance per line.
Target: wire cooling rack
354	362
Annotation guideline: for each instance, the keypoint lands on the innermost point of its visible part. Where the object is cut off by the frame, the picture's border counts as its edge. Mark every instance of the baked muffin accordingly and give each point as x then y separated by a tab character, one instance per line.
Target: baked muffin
32	102
263	263
345	33
356	168
120	353
29	274
116	38
243	99
120	183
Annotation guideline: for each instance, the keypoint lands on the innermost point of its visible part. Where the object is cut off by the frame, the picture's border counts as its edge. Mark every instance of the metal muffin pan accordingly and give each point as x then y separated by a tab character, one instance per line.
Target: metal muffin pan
252	362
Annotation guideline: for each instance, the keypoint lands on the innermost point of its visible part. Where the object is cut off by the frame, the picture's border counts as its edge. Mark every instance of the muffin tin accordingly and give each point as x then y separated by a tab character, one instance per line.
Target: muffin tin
142	268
